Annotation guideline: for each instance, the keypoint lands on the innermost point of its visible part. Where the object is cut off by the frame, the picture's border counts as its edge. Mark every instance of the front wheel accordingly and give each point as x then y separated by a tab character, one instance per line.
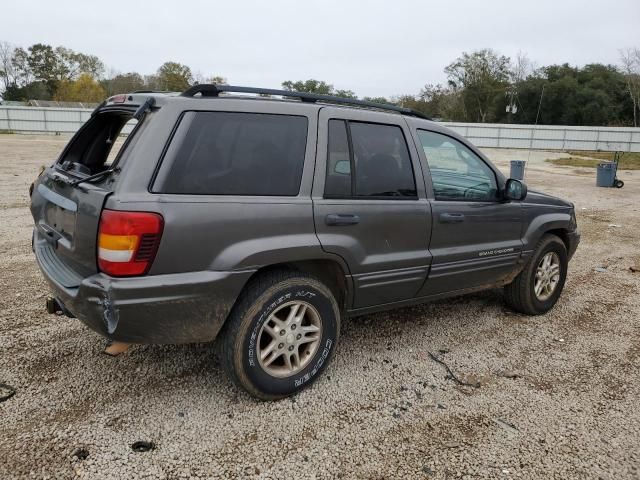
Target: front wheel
537	288
281	334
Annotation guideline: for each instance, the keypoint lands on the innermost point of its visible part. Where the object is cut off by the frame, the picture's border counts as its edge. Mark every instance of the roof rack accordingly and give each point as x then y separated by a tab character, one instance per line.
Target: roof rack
212	90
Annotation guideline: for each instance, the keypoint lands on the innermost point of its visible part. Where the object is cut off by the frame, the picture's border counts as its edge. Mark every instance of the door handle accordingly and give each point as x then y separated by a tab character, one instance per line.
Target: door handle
339	219
451	218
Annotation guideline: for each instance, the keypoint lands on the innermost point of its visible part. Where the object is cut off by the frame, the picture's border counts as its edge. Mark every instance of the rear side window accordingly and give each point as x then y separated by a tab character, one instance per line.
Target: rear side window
376	154
229	153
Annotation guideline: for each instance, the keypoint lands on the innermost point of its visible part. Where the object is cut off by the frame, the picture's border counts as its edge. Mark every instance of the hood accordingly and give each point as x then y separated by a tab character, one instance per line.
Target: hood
540	198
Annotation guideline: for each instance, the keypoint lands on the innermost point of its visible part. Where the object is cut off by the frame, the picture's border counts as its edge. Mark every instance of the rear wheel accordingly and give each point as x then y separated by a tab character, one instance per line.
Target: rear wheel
537	288
281	334
618	183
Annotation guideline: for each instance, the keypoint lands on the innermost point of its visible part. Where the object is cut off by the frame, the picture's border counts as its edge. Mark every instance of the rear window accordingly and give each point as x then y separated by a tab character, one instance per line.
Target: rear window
97	146
229	153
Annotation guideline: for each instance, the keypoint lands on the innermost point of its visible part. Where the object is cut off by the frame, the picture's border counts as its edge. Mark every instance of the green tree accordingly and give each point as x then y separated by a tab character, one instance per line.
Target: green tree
592	95
30	91
345	94
174	77
377	100
309	86
46	66
482	78
317	86
218	80
124	83
442	102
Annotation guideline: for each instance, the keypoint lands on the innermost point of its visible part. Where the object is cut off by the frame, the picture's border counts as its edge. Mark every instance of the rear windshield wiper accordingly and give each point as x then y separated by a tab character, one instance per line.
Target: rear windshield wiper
95	176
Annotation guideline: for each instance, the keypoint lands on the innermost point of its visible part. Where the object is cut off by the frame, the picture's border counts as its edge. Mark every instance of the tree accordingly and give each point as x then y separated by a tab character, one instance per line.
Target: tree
377	100
30	91
7	69
631	70
174	77
218	80
124	83
481	77
20	63
309	86
76	63
84	89
345	94
46	65
317	86
442	102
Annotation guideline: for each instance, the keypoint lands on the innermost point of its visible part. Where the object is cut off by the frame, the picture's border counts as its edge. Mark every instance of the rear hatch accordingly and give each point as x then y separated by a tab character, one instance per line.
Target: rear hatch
68	197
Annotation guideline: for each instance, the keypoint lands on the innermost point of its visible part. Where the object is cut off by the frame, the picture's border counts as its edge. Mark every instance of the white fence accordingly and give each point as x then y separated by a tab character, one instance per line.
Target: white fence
542	137
550	137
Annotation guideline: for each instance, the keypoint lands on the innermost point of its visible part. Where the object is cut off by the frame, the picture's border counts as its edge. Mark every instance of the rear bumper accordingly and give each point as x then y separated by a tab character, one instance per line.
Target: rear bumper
175	308
574	240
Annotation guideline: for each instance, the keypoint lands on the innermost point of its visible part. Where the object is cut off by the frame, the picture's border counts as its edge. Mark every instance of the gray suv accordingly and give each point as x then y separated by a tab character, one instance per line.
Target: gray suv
265	222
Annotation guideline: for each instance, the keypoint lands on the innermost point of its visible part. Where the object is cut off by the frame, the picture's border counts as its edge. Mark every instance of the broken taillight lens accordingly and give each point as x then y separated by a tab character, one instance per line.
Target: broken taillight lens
128	241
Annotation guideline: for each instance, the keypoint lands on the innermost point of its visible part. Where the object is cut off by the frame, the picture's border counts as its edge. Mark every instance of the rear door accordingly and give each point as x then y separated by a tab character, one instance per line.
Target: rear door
66	216
476	238
370	205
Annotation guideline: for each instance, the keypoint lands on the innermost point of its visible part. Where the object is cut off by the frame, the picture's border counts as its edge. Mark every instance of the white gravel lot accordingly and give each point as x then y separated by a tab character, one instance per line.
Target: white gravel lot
558	397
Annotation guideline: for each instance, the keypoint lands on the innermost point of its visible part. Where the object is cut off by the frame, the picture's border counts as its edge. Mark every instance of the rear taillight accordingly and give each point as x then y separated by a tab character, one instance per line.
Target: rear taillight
128	241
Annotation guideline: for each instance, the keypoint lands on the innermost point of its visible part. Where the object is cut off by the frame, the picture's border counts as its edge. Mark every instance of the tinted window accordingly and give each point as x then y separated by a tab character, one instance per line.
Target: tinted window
338	183
228	153
456	172
379	157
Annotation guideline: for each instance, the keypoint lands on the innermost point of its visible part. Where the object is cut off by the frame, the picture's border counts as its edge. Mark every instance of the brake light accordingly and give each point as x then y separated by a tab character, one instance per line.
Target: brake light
118	99
128	241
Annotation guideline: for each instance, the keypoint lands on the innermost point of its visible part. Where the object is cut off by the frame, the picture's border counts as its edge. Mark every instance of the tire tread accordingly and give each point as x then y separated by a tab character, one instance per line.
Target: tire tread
518	294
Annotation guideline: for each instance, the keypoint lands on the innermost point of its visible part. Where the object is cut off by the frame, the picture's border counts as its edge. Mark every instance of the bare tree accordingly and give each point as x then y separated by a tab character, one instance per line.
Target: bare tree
7	69
630	58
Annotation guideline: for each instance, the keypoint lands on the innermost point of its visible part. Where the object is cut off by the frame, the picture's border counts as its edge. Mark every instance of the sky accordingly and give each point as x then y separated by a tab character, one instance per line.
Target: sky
375	48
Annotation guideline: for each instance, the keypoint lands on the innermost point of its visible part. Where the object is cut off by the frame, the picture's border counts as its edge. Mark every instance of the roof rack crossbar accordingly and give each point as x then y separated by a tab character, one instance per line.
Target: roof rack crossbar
212	90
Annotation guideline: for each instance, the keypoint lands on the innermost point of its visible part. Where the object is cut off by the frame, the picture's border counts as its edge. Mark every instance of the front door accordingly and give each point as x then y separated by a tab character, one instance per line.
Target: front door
475	238
370	207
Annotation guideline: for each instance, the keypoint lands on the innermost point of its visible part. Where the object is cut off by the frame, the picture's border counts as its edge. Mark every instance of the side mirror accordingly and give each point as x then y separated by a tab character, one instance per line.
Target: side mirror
515	190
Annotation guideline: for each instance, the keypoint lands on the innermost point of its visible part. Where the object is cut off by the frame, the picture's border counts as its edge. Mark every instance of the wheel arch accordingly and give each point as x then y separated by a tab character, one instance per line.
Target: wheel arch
563	234
556	223
328	270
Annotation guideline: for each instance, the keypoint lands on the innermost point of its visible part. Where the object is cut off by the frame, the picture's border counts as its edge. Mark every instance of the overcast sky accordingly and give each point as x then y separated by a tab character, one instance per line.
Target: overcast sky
375	48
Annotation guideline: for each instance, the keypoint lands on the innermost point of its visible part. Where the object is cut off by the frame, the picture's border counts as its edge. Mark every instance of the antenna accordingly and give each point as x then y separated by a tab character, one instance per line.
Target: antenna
533	134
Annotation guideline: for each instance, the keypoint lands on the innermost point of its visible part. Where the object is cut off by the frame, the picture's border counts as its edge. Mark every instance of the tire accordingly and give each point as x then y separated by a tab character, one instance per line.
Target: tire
618	183
251	329
520	294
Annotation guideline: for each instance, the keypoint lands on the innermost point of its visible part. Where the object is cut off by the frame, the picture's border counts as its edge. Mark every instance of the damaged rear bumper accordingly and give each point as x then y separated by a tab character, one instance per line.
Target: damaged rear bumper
175	308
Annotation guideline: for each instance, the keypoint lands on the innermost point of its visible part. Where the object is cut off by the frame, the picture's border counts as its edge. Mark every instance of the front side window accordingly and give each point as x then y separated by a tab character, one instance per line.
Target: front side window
368	160
229	153
456	172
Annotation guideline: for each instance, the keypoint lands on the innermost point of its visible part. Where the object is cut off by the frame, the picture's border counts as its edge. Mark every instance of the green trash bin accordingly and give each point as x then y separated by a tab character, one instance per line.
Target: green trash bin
606	174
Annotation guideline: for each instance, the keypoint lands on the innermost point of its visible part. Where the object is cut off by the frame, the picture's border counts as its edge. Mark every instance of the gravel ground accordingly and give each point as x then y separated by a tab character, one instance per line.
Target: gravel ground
558	395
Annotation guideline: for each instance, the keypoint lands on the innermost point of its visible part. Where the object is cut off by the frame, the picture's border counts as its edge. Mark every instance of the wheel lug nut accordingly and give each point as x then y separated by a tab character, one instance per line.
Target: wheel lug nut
298	337
291	348
282	332
293	327
281	345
